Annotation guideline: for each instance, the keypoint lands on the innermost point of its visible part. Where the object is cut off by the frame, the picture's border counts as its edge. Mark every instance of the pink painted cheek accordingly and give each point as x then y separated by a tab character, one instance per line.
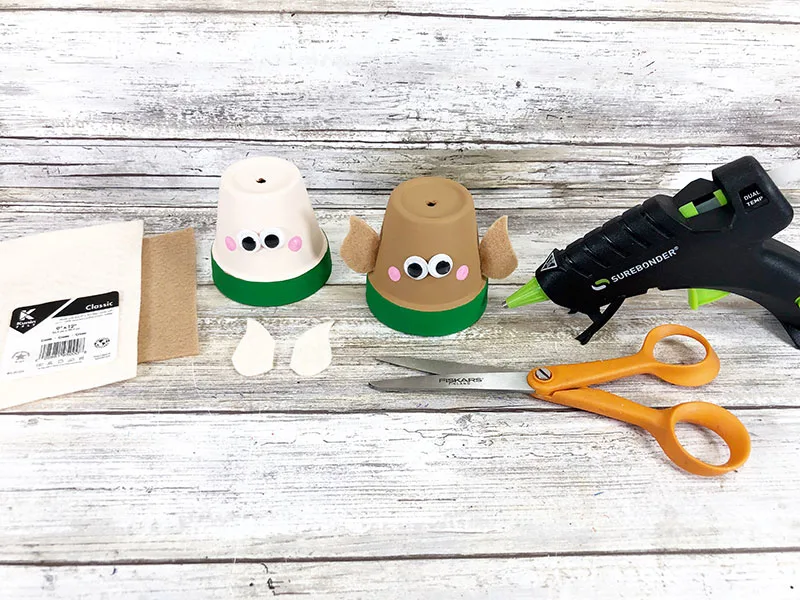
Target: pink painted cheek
462	273
230	243
394	274
295	243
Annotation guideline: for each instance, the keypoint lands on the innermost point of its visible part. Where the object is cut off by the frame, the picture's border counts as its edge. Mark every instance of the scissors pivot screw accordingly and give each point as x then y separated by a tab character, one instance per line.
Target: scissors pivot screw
543	374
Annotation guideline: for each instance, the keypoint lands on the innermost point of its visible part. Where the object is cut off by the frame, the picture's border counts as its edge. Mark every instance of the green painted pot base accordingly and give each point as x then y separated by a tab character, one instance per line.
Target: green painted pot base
272	293
428	324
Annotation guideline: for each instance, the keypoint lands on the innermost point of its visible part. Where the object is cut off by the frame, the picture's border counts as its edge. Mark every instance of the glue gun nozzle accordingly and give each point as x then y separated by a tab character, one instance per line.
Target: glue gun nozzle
528	294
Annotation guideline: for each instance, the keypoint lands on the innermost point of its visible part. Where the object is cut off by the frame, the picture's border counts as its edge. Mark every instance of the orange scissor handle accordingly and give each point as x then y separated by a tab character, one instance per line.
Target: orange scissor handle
661	425
712	417
566	385
562	377
692	375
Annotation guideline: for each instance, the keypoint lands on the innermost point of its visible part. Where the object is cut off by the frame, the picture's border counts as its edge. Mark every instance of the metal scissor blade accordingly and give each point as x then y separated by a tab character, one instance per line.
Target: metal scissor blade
495	381
437	367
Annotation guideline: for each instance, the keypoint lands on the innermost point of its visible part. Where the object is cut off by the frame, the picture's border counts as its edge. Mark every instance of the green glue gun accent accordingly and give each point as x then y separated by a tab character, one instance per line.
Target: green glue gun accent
690	209
699	297
529	293
713	238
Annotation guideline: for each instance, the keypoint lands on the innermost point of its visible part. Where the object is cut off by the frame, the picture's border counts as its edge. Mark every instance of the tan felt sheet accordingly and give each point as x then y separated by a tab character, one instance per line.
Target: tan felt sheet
168	321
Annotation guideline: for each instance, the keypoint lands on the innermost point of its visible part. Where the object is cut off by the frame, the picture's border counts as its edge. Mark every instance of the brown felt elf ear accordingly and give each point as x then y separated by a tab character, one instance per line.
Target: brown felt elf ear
360	246
498	259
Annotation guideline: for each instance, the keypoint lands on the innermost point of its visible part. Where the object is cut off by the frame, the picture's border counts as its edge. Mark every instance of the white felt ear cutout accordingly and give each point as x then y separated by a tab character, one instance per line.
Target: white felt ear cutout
255	353
312	351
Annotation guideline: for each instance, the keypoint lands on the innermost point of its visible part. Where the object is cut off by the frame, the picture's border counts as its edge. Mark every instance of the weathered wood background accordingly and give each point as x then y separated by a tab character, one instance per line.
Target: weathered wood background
191	482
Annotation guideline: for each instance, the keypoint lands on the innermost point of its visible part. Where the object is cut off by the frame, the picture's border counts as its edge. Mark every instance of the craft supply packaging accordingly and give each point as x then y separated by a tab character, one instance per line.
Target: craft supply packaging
69	310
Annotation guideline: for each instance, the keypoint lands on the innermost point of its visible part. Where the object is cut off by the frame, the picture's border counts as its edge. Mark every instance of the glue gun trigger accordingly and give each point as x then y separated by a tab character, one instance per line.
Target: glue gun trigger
599	319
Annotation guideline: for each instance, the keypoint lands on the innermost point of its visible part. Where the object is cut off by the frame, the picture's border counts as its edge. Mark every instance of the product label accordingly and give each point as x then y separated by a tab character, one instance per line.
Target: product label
460	380
59	335
753	198
550	262
643	266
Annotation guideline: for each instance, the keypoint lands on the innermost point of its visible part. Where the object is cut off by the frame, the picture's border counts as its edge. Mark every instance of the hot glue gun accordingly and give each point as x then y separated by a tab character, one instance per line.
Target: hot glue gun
712	238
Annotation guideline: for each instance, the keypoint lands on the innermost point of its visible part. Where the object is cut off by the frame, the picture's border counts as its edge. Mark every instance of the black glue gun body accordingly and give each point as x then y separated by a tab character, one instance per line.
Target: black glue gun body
712	237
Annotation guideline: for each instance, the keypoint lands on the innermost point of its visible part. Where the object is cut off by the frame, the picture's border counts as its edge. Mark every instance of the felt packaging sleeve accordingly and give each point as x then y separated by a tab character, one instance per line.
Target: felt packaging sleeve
61	266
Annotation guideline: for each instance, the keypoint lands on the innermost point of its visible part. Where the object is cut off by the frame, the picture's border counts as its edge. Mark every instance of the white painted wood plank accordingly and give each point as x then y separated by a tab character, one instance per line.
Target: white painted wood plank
267	487
27	200
757	10
565	175
742	334
738	328
532	247
319	77
534	232
155	487
97	488
714	577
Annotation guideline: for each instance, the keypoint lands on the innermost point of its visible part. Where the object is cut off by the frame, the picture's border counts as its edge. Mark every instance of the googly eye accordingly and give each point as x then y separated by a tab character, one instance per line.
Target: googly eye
416	267
248	240
440	265
272	238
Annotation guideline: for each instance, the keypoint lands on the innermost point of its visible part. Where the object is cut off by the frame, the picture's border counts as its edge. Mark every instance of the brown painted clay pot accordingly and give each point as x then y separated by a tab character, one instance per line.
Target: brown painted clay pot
427	271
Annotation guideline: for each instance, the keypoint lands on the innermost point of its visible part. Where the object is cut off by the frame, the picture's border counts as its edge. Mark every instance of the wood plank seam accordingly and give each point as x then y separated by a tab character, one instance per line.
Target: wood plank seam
444	143
421	15
406	557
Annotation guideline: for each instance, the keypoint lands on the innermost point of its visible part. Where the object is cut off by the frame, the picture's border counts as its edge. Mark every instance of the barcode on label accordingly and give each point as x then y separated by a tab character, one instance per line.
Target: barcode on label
62	348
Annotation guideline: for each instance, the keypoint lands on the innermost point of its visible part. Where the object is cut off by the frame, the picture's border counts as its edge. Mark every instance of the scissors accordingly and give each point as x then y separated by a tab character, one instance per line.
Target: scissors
567	385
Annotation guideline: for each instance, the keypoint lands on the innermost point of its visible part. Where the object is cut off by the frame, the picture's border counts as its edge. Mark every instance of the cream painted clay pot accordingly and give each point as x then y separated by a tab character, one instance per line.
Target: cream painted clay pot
269	249
426	271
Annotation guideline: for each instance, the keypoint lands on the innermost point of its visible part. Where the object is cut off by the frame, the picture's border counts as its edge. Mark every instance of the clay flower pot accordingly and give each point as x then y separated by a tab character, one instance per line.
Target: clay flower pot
269	249
426	271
